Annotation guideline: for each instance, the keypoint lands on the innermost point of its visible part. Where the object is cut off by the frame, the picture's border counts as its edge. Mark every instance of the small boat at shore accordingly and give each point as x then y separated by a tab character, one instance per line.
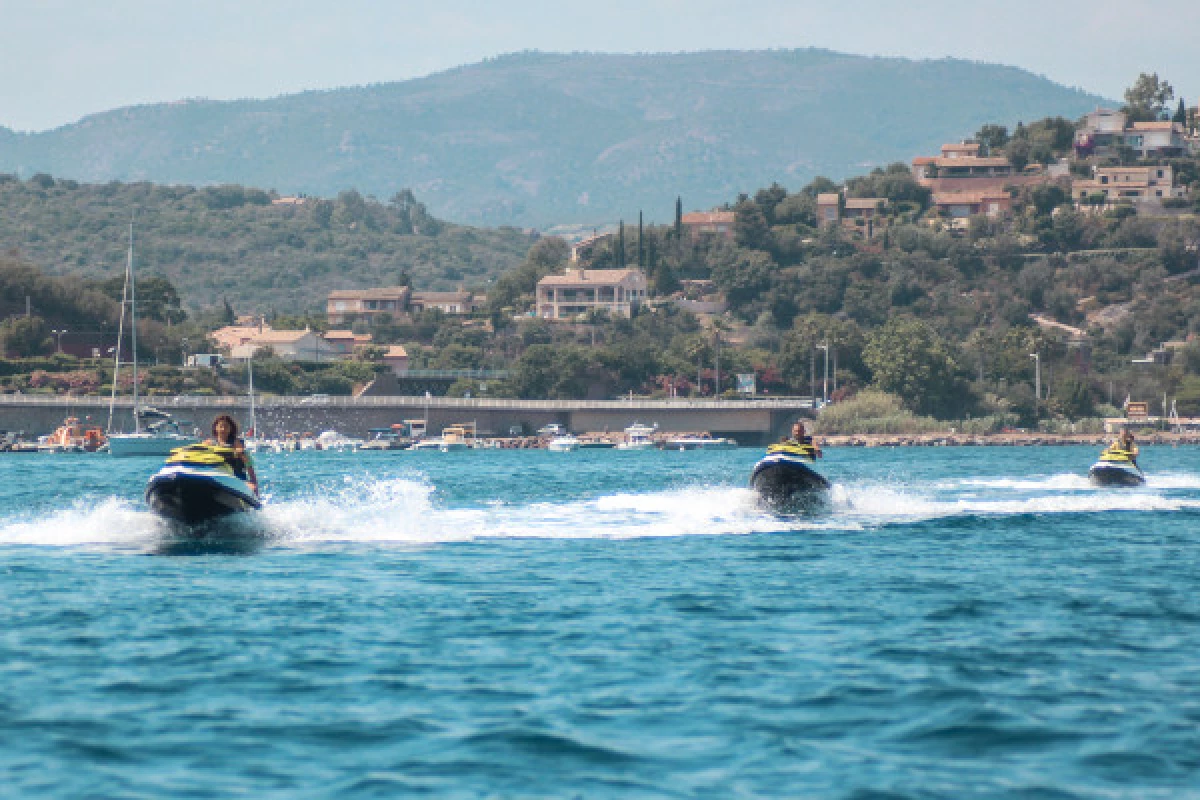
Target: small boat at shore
1116	468
198	484
563	444
639	437
703	442
785	479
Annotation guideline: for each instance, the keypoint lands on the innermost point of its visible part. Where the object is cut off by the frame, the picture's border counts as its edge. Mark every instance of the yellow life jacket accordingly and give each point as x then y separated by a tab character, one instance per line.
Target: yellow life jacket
1117	455
204	455
792	449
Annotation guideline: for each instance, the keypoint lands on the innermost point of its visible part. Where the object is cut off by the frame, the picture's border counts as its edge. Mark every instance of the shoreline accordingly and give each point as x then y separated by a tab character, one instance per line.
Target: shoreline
996	439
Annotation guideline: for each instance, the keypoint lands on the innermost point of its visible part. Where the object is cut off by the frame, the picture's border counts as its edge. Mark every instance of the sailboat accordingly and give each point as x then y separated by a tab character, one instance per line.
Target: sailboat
161	433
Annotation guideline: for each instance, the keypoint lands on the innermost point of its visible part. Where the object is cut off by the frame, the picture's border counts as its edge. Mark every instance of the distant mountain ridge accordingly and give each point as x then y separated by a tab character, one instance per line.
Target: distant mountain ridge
542	139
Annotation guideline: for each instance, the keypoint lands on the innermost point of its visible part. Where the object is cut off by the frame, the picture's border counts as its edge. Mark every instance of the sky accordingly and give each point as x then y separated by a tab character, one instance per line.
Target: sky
63	59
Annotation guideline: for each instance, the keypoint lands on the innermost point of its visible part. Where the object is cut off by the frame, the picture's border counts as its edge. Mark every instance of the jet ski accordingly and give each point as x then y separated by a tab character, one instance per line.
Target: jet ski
198	484
1116	467
784	477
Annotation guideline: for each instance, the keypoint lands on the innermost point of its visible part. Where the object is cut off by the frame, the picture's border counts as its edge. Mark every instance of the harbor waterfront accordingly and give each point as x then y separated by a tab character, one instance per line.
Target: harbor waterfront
959	622
754	421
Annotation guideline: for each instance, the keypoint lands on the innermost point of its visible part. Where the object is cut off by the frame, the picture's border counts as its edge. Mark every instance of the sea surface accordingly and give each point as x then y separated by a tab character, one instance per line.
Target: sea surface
958	623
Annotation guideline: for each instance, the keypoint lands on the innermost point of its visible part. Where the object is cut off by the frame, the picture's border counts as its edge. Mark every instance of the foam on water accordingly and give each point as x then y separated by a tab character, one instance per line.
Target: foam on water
403	510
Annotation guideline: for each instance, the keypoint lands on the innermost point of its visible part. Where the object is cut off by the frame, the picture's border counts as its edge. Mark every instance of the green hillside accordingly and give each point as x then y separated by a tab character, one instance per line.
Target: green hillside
541	139
231	242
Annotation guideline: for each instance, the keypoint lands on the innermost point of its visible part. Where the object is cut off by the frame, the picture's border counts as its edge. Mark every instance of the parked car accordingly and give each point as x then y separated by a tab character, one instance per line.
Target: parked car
553	429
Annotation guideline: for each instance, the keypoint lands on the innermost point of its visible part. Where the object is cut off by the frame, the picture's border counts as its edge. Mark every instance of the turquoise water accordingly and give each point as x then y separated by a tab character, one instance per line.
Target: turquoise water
961	623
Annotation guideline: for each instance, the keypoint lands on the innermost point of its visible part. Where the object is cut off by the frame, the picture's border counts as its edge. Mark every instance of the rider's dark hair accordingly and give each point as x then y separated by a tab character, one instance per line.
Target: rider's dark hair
233	427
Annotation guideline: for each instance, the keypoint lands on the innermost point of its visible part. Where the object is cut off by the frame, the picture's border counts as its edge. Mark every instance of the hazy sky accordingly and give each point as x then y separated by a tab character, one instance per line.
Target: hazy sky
62	59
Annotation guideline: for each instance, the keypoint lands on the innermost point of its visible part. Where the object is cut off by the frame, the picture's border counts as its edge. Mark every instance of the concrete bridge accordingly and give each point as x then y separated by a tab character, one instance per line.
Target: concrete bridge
750	421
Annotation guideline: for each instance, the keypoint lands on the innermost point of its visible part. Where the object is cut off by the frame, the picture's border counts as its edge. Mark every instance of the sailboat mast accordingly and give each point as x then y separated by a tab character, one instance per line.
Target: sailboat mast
137	421
253	422
112	402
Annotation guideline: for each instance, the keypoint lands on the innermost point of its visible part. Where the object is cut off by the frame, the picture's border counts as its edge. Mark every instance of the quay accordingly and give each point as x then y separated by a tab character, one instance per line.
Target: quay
752	421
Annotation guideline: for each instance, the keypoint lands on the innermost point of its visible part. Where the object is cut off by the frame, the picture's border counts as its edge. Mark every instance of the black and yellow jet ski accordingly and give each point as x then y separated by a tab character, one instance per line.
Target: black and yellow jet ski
784	477
1116	467
198	484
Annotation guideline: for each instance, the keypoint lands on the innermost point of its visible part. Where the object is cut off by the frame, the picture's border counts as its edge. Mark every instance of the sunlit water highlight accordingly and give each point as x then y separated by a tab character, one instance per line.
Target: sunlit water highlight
956	623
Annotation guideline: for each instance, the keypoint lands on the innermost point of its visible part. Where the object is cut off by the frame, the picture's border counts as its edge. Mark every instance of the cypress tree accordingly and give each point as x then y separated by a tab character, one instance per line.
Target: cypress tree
678	218
641	252
621	244
1180	113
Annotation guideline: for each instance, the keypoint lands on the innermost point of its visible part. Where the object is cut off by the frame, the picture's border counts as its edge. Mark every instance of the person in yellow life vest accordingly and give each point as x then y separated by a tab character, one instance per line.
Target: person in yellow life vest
1124	441
225	434
800	438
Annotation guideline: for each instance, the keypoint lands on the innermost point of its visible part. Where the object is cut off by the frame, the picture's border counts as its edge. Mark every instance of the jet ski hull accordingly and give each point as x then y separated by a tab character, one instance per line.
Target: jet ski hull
786	481
193	495
1109	473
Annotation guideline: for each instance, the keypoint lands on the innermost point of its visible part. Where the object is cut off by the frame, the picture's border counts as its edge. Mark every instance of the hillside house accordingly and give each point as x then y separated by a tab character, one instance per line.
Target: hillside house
396	358
710	223
231	336
959	205
1127	184
1104	132
345	306
960	168
446	302
585	249
860	214
305	345
617	291
345	342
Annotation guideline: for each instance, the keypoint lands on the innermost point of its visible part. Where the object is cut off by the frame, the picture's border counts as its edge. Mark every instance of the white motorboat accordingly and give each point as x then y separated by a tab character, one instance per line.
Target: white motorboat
700	443
639	437
563	444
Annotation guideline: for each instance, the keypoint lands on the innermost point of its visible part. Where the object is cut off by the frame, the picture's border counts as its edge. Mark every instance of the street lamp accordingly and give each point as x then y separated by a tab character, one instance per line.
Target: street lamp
825	381
59	335
1037	382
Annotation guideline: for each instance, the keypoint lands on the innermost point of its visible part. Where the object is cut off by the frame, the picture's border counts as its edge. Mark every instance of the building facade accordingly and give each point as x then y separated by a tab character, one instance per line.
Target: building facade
346	306
617	291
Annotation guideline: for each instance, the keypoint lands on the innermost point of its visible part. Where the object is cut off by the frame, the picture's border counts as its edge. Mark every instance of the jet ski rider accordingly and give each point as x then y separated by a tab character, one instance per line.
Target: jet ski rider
1124	441
800	438
225	434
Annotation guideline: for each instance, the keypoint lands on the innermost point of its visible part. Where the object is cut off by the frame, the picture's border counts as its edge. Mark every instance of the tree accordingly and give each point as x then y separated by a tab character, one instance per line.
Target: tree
992	137
908	358
1181	114
25	336
678	218
1148	97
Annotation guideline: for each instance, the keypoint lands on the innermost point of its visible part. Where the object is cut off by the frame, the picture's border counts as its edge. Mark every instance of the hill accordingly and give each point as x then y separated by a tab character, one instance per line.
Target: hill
233	242
542	139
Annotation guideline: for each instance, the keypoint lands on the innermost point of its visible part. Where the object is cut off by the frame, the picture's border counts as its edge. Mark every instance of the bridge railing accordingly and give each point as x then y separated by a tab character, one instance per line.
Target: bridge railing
400	401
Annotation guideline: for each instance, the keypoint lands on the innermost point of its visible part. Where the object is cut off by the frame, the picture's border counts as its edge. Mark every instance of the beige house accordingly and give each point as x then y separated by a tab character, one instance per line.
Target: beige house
347	305
1104	131
303	345
713	223
1128	184
854	213
585	249
617	291
448	302
396	357
959	205
344	342
960	168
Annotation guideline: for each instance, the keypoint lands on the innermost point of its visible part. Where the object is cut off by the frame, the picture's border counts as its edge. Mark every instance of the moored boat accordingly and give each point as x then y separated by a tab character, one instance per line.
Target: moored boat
563	444
785	478
703	442
638	437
